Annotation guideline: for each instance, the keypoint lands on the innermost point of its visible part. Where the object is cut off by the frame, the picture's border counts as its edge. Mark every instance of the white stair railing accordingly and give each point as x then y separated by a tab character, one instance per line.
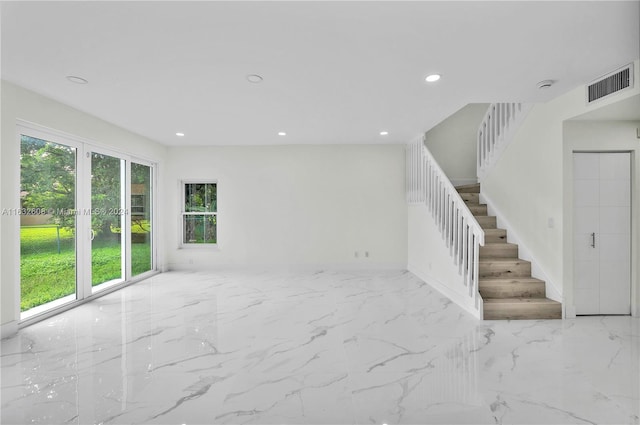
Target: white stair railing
496	131
427	183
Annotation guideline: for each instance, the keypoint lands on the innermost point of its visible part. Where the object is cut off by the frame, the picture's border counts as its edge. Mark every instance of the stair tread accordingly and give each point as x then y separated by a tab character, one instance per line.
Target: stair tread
490	280
519	301
469	188
502	260
503	243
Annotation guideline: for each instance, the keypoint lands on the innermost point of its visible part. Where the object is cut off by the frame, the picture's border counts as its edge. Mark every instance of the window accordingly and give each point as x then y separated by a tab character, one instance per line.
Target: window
138	204
199	213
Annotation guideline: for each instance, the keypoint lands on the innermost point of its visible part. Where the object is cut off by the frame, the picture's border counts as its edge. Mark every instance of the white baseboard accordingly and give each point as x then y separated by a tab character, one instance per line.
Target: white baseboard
363	265
8	329
552	290
462	301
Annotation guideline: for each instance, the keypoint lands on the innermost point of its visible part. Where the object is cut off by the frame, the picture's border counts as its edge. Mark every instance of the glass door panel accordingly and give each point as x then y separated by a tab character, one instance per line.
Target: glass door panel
107	211
141	208
47	225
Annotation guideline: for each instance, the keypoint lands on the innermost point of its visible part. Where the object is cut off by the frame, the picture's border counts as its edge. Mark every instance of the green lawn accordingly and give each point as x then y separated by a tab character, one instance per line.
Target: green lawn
46	274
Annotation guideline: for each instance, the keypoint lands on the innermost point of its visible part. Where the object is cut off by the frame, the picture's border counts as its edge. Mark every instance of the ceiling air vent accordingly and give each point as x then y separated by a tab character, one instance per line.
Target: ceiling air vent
611	83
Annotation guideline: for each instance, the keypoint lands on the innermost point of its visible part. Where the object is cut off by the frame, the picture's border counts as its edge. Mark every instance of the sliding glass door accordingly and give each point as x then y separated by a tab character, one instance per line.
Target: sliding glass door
141	218
86	220
48	191
107	211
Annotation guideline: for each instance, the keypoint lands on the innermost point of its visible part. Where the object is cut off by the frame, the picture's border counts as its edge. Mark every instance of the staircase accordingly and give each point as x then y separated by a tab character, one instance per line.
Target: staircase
505	282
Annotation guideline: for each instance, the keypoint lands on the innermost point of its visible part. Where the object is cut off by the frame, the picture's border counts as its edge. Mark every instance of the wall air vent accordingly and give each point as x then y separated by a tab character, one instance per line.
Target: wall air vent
610	83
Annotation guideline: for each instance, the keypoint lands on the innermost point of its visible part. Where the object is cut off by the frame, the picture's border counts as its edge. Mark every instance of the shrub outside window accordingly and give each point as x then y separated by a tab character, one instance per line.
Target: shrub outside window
200	213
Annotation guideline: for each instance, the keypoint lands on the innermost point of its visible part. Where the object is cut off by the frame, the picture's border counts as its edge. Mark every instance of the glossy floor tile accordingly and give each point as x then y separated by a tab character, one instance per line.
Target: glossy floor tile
313	348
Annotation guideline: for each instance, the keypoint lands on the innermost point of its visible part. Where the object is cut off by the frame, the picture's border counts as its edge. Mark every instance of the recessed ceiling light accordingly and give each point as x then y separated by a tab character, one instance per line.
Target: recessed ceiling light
433	77
282	133
180	134
254	78
384	133
76	80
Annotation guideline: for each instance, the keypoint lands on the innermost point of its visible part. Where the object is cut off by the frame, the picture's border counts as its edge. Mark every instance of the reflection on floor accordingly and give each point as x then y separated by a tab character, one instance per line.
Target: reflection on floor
325	348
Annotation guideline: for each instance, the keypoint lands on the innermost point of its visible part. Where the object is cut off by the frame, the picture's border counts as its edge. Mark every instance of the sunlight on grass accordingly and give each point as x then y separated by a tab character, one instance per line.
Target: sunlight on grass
48	273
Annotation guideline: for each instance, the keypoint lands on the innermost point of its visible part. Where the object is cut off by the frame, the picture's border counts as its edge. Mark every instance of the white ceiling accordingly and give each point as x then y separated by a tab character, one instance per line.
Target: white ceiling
334	72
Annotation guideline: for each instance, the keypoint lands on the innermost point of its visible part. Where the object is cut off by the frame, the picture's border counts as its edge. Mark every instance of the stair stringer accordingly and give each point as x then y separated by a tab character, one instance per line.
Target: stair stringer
551	288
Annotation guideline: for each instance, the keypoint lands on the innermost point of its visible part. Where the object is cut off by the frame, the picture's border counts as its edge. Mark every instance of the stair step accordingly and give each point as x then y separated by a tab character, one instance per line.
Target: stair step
470	198
495	235
504	267
487	222
517	287
521	308
499	250
469	188
478	210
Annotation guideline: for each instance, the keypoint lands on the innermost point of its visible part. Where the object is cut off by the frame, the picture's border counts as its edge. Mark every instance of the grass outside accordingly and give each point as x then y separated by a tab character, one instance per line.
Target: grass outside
47	273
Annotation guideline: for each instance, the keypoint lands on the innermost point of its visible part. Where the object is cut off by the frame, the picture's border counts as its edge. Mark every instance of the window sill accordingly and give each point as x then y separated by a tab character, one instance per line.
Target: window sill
201	246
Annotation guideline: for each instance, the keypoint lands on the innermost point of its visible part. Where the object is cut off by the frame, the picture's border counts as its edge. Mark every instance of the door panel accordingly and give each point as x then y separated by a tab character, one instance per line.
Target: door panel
586	193
615	193
47	225
614	220
613	166
614	287
587	221
602	229
586	166
141	219
107	210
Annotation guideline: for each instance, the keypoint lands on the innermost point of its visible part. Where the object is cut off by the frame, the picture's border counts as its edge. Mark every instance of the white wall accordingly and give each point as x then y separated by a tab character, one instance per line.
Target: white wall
430	259
295	206
600	136
18	103
527	184
453	143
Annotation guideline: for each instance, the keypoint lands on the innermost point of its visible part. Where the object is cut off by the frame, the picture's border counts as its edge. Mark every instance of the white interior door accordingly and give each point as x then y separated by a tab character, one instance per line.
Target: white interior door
602	233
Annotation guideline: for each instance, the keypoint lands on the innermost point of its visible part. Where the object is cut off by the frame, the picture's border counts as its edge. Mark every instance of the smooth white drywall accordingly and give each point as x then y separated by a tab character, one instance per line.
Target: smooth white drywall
601	136
295	206
453	143
430	259
527	184
19	103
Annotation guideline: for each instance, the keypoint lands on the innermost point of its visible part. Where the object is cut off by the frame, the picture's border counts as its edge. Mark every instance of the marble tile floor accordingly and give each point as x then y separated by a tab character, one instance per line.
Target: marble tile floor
313	348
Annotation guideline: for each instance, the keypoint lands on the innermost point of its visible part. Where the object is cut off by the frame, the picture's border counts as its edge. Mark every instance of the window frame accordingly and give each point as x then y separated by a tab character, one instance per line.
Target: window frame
183	214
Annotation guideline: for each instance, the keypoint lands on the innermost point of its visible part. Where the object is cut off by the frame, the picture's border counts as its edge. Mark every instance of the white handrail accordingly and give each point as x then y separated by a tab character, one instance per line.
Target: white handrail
427	183
496	131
